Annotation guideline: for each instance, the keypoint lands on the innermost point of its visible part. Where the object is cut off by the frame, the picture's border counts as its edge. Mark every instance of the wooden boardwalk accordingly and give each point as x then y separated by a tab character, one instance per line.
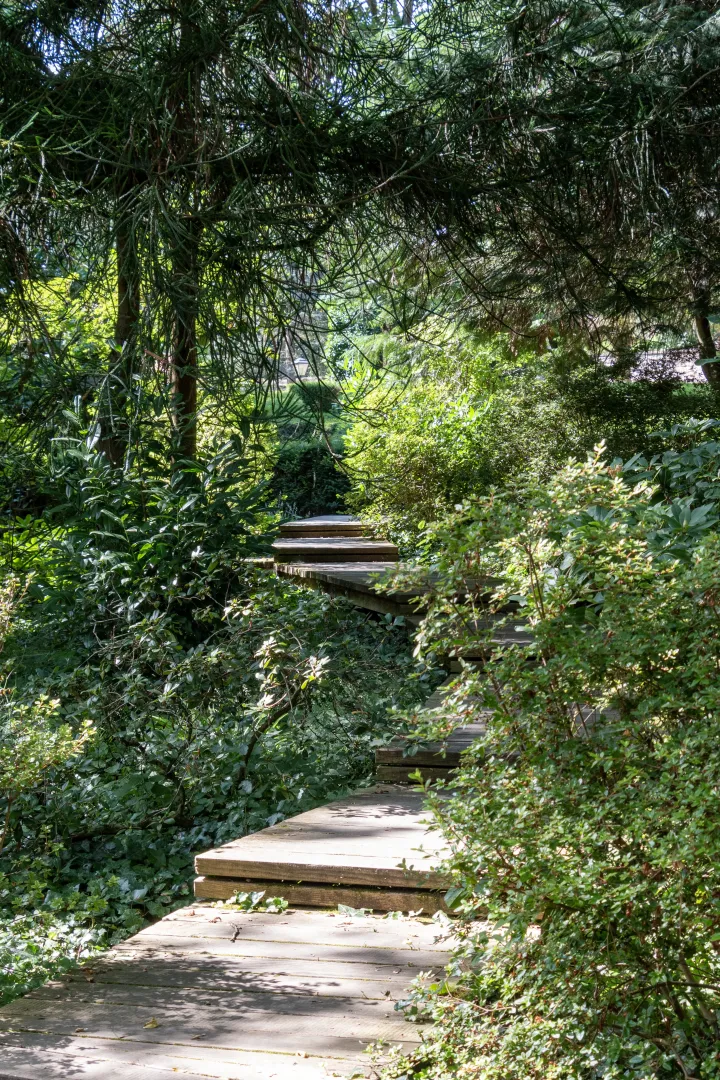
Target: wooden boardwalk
213	993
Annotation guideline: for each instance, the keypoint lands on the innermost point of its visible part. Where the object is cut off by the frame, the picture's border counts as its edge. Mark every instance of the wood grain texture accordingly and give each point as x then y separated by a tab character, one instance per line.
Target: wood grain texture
323	896
334	549
33	1056
378	838
407	774
324	525
221	994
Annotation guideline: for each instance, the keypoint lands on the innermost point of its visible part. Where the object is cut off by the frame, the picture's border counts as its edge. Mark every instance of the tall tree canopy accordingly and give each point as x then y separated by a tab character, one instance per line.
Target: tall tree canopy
592	134
211	156
222	163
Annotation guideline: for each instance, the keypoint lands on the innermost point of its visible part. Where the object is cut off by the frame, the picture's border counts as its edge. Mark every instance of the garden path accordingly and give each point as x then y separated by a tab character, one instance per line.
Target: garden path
226	994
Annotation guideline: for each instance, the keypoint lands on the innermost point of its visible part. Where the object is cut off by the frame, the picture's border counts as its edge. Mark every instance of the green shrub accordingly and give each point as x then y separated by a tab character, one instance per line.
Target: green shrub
223	699
586	818
452	417
306	481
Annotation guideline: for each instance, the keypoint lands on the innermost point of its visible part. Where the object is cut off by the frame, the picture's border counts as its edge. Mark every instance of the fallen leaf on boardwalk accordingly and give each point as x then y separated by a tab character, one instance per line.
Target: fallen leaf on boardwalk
152	1023
358	912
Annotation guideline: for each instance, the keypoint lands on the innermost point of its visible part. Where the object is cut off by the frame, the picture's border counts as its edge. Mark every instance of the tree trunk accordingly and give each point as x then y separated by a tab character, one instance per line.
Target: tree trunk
186	143
184	363
184	383
708	350
115	425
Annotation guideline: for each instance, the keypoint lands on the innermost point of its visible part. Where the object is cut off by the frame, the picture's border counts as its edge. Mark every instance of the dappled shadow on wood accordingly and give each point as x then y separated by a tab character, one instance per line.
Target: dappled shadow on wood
210	992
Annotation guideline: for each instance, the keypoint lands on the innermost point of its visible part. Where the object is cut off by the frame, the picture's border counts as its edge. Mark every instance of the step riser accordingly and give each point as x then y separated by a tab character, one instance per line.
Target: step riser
388	755
397	774
335	549
348	531
327	525
325	896
324	557
340	873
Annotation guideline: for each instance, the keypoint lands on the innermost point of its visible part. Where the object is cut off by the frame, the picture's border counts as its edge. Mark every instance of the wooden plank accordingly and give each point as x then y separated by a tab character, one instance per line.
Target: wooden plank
222	974
34	1056
407	774
293	926
321	1025
355	583
323	896
214	993
190	947
362	577
439	755
343	843
436	760
334	549
376	807
325	525
152	962
218	993
247	1003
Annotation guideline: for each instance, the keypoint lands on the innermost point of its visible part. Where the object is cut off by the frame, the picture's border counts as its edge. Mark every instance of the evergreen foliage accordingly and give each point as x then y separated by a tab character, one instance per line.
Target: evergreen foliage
589	137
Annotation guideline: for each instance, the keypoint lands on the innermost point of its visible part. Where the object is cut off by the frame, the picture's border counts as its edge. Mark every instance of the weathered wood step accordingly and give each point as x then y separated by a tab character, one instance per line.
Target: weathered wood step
317	895
355	582
375	845
343	549
434	761
438	754
324	525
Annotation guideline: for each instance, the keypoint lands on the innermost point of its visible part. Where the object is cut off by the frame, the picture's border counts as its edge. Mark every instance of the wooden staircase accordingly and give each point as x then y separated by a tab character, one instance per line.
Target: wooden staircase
334	538
355	578
210	992
363	851
436	761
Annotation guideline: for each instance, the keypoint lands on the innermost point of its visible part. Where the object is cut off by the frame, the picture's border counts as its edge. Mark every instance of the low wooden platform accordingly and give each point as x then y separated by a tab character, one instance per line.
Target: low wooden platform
209	992
345	549
324	525
355	582
435	761
372	849
228	995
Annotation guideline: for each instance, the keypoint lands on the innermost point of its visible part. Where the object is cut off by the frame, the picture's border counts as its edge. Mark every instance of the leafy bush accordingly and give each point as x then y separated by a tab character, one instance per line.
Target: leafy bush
306	480
29	743
451	417
223	699
585	819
